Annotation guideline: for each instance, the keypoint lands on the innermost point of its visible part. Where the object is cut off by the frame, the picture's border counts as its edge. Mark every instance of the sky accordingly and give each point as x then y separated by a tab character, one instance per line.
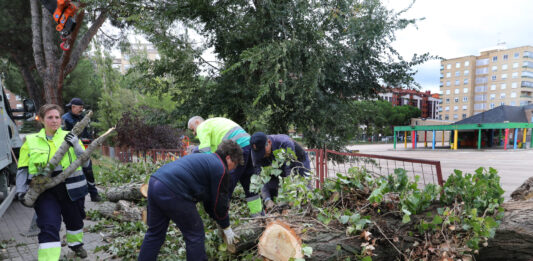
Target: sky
456	28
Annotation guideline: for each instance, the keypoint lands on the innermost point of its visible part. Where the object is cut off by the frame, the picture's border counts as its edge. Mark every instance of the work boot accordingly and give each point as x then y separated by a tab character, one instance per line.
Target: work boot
80	252
96	197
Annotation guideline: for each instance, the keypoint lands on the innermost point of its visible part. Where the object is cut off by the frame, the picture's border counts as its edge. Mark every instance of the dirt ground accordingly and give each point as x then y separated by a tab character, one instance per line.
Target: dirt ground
514	166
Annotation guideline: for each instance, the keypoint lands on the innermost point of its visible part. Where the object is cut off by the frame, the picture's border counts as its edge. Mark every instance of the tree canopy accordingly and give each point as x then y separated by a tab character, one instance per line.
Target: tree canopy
280	63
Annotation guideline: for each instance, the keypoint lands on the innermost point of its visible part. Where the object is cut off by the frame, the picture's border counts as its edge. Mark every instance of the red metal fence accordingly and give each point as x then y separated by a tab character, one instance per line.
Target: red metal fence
324	163
327	163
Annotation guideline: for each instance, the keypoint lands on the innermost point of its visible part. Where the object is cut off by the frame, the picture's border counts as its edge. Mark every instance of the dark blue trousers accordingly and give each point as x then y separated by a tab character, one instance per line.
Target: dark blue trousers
163	206
89	176
50	206
243	173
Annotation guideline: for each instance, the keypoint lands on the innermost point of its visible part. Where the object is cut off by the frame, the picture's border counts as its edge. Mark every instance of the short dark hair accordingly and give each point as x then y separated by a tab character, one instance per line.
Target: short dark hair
48	107
232	149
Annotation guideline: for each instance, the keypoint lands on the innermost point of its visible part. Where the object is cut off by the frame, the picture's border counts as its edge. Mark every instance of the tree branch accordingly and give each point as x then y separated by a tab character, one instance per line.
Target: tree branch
37	42
48	39
65	57
84	42
44	183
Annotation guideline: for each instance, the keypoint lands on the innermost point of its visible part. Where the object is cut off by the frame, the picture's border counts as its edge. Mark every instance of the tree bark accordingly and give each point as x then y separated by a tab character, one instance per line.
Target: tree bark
121	211
54	65
130	192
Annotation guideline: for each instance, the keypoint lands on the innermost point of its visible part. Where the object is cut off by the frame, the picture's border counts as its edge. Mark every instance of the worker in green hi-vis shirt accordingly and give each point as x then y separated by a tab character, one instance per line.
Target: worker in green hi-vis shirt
211	133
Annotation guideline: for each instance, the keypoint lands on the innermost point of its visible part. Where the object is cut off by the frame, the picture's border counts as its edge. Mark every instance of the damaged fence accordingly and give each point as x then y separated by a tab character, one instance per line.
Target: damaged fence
324	163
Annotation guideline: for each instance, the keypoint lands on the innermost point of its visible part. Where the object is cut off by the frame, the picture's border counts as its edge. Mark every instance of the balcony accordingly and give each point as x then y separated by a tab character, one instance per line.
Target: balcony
526	96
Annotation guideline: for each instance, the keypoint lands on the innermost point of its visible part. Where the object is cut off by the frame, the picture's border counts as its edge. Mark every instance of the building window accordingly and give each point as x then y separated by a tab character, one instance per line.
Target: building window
456	82
467	63
504	76
457	73
464	116
465	107
479	106
483	70
527	74
455	117
515	65
466	72
480	88
493	87
448	66
513	94
447	83
481	80
465	99
441	67
441	84
456	91
447	108
493	78
458	65
447	100
495	58
503	86
447	91
492	105
481	62
494	68
504	66
516	55
17	98
448	74
456	99
513	103
514	85
455	108
514	75
502	103
502	95
493	96
505	57
446	117
465	81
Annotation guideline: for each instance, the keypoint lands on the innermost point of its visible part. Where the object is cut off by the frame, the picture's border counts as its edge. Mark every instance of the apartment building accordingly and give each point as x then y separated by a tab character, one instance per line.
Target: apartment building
428	103
123	64
473	84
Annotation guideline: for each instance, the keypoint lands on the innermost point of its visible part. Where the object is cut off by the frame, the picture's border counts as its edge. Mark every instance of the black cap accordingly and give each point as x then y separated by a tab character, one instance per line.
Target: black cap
258	143
75	101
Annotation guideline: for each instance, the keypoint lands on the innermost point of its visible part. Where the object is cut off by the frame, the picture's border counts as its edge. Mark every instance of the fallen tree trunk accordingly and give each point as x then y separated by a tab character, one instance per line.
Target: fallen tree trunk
121	211
130	192
40	184
514	237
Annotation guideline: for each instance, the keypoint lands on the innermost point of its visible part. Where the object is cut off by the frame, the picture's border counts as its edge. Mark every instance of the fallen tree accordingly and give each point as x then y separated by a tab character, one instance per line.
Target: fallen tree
129	192
121	211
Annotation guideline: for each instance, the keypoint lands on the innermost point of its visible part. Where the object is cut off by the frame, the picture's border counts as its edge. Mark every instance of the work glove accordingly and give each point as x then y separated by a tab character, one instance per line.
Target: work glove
269	204
231	237
71	139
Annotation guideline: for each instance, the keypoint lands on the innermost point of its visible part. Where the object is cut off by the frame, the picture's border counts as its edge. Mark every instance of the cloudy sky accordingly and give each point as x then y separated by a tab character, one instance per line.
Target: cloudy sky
455	28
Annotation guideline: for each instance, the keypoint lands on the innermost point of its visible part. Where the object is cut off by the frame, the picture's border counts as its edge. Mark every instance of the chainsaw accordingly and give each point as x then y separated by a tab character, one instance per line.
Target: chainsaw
63	12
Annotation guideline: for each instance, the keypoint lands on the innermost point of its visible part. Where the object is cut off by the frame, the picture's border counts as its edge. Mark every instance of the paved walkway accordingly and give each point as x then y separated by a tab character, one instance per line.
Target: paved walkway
16	247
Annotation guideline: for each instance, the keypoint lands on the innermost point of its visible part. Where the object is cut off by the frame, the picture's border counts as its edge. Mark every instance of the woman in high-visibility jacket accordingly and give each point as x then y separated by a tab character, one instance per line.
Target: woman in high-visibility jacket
64	200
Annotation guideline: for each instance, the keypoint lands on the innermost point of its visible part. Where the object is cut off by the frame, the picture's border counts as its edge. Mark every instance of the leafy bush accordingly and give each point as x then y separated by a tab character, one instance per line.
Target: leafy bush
137	129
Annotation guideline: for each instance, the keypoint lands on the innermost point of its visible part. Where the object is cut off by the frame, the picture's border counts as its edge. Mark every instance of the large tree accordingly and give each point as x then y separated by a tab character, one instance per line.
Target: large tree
283	62
16	45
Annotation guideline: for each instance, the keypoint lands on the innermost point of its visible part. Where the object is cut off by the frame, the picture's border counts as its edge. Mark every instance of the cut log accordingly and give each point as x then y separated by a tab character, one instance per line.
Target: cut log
144	190
279	242
121	211
130	192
